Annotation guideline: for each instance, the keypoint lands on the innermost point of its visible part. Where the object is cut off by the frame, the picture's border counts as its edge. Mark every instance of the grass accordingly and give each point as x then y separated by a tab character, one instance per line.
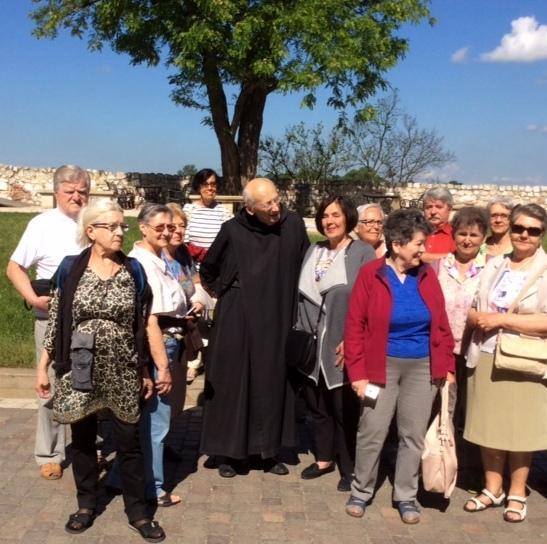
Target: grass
16	325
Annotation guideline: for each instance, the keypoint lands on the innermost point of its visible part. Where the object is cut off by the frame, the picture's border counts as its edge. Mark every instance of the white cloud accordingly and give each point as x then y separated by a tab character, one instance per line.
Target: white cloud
443	174
537	128
460	55
527	42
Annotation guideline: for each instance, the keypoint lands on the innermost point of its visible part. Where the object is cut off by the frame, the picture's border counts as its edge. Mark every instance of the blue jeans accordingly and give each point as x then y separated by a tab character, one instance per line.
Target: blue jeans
153	428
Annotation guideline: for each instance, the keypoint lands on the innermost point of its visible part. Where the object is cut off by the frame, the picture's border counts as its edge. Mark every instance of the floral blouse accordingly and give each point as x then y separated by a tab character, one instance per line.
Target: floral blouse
458	293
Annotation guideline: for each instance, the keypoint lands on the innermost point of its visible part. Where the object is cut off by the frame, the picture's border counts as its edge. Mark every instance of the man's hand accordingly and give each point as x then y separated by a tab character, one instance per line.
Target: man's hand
40	303
359	387
163	381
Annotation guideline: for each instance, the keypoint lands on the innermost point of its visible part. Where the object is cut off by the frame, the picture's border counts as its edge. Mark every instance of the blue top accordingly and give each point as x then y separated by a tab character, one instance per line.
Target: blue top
410	318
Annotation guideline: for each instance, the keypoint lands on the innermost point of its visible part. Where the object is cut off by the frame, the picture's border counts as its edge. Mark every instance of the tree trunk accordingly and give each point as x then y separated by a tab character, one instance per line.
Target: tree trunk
219	112
250	126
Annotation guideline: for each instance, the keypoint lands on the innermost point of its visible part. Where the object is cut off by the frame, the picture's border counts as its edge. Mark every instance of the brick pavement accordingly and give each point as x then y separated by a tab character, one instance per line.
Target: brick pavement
254	509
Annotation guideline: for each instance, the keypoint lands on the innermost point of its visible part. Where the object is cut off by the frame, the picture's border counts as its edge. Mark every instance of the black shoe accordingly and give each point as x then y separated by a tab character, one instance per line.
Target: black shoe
80	521
150	530
313	471
226	471
344	484
275	467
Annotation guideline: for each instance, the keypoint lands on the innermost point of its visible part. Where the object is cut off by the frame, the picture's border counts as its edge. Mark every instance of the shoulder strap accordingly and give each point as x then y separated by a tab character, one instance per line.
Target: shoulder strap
531	280
319	315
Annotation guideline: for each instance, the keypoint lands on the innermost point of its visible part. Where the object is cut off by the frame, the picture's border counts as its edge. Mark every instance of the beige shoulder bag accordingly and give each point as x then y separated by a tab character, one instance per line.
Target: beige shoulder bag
521	352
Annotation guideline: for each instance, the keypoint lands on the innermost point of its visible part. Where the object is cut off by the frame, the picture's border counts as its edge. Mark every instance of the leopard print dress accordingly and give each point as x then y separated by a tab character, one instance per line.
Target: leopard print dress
105	308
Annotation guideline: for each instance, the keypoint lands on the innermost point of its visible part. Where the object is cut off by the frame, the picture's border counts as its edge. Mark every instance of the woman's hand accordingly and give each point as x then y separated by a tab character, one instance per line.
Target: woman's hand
147	387
451	378
43	387
488	321
41	303
339	363
195	311
163	382
359	387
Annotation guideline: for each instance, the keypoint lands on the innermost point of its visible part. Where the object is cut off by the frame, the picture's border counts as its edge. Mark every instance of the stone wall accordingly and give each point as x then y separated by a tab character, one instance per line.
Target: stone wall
479	195
28	185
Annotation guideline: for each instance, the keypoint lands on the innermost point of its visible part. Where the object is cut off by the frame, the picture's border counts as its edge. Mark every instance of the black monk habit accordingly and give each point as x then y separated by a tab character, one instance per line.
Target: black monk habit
253	268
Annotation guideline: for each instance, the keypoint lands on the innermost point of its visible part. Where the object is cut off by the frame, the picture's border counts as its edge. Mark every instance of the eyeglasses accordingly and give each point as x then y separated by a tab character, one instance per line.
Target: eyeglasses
180	225
160	228
532	231
112	227
211	184
371	222
499	216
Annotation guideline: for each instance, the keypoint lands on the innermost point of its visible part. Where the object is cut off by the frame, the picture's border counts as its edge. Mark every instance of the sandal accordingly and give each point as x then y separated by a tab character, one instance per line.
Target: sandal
521	512
167	499
355	507
409	512
149	529
479	505
80	521
51	471
191	375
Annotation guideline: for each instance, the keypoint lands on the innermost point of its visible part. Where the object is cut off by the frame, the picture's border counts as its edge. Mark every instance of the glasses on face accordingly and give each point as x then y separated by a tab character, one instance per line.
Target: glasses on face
112	227
532	231
503	216
371	222
163	226
180	225
210	184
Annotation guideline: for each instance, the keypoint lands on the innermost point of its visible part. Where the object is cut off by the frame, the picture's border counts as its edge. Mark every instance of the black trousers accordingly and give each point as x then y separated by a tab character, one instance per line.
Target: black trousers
335	414
129	455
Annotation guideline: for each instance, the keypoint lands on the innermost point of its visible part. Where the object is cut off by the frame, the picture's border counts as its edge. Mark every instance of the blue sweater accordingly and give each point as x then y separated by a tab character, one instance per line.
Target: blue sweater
410	318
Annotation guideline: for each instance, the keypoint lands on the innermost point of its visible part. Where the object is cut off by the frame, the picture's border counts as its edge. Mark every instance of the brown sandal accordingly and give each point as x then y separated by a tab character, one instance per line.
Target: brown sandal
51	471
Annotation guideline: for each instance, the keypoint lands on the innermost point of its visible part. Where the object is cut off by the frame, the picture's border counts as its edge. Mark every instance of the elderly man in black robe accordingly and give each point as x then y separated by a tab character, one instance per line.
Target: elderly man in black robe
252	267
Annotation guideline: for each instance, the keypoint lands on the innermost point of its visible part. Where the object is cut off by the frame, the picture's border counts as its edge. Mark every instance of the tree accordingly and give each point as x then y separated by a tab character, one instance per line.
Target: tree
187	171
250	48
393	146
305	155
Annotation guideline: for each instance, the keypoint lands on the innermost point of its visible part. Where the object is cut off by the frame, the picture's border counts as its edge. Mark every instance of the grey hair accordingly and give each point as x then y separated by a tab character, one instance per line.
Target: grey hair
151	210
504	201
363	207
70	173
89	214
439	193
248	200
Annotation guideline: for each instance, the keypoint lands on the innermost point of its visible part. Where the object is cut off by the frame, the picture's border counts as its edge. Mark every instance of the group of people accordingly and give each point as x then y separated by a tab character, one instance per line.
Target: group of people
399	305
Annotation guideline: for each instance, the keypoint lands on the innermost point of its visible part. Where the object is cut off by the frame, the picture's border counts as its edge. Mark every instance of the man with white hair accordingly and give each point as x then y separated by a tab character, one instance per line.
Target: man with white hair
438	203
253	268
48	238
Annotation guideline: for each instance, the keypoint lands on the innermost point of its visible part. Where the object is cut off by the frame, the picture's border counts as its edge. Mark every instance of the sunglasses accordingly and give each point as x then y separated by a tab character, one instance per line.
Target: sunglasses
160	228
112	227
532	231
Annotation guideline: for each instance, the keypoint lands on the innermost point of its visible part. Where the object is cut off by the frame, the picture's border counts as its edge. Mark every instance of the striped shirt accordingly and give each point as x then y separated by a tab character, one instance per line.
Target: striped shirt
204	223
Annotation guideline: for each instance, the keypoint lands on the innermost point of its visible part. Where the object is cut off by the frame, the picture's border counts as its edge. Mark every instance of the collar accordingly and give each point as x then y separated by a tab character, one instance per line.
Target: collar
449	262
143	254
445	228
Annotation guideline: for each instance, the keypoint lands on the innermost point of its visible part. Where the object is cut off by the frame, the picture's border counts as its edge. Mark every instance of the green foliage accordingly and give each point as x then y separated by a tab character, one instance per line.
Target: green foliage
187	171
254	47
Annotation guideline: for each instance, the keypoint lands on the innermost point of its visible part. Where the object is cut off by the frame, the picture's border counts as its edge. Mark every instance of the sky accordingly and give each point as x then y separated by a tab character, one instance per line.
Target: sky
478	77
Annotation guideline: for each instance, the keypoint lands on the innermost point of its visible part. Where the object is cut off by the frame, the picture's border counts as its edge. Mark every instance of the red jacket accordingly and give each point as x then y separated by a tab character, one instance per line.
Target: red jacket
368	318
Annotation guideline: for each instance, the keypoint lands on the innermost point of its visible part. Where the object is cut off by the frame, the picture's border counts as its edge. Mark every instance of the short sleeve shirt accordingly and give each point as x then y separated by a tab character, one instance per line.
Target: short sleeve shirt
47	240
168	297
441	240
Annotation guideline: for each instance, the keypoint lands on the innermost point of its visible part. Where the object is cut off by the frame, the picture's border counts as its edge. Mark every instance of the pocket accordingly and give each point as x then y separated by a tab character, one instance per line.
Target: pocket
82	349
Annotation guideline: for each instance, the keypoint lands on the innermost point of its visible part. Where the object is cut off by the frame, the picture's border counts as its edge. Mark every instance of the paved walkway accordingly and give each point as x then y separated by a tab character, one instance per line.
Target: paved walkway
254	509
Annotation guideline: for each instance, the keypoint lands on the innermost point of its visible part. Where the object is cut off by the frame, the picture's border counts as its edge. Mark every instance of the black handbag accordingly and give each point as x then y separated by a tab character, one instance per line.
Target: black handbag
301	347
